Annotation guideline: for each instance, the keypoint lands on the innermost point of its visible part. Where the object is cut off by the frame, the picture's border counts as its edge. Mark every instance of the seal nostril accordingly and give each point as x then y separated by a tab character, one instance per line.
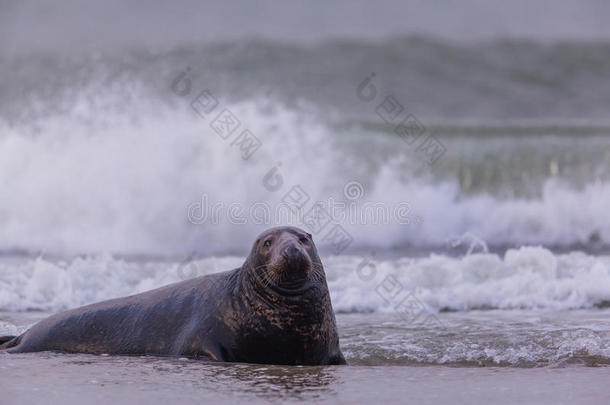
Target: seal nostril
292	251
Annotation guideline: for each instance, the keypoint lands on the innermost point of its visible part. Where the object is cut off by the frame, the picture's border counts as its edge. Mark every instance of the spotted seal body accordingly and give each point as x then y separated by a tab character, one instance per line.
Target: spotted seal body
274	309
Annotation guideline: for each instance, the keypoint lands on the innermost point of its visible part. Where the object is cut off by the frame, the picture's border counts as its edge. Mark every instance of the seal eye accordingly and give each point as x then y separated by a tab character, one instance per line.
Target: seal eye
267	243
303	239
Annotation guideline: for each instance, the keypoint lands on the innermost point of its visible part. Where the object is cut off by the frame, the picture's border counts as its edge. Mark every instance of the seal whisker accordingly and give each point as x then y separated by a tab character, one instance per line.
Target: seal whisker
317	271
263	275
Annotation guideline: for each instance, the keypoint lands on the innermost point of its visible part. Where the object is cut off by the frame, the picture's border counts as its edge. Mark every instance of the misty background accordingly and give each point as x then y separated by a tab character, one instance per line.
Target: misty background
98	154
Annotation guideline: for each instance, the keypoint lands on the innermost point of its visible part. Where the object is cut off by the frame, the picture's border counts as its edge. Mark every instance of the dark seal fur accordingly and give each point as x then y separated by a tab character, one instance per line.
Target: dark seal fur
274	309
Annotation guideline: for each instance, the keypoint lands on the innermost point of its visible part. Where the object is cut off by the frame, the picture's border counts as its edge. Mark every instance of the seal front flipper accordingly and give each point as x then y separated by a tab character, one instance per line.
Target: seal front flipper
8	342
216	351
206	347
4	339
212	352
337	360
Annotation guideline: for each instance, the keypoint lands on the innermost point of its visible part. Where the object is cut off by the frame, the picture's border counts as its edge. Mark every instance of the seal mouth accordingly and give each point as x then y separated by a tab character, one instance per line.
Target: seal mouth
297	289
292	284
293	278
284	285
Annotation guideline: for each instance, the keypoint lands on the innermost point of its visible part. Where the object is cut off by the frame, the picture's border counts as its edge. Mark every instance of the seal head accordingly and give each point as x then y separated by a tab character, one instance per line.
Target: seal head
285	260
291	319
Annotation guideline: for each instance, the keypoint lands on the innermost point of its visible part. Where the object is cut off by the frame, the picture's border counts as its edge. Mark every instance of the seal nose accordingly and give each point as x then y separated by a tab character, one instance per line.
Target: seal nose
292	252
296	270
294	255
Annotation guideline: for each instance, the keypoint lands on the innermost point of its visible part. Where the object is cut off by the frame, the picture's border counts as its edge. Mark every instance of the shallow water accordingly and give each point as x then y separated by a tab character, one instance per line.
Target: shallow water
75	378
523	339
499	356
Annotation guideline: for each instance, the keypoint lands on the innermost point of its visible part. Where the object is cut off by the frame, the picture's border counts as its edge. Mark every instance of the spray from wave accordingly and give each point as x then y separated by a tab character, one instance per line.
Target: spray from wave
124	186
98	154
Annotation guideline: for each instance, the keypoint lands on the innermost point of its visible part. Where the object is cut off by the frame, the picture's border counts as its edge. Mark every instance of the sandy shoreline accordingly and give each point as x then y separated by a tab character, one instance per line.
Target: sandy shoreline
73	379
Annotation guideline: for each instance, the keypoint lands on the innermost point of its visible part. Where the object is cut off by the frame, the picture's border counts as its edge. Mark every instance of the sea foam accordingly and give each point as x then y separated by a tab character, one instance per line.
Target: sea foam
525	278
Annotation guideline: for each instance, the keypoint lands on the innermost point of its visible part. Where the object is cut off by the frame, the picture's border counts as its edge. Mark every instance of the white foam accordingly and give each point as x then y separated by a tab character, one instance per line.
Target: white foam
527	278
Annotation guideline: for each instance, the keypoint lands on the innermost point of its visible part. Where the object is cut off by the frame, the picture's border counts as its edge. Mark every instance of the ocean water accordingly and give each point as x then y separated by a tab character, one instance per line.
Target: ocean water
109	151
528	309
475	259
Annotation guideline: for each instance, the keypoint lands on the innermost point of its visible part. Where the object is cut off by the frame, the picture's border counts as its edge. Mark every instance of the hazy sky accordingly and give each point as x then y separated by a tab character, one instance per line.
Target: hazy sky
73	25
